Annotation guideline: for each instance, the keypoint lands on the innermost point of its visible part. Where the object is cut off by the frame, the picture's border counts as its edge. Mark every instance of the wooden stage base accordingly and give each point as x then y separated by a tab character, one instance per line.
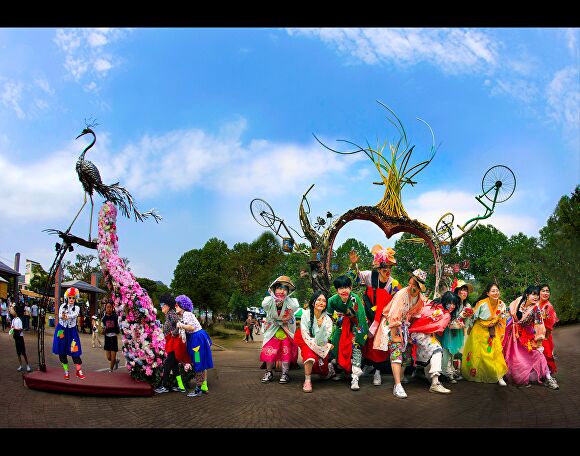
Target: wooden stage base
116	383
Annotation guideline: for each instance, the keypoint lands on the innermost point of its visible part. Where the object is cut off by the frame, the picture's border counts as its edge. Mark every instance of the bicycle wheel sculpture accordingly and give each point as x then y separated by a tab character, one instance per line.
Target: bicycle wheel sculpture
262	213
444	227
502	178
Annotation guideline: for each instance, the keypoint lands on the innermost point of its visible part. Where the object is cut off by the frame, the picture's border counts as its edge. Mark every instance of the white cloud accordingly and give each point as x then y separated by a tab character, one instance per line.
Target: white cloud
44	85
430	206
572	40
11	97
523	90
87	51
454	51
563	97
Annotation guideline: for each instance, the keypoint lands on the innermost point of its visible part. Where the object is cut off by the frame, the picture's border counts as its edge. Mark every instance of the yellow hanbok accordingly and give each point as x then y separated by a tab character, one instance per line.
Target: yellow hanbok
483	359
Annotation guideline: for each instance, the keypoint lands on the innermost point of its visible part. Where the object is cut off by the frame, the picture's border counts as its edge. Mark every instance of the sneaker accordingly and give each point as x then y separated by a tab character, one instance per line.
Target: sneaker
109	370
116	364
80	374
28	369
399	391
552	384
177	389
458	377
19	369
354	383
284	378
331	372
502	382
268	377
161	390
196	392
66	376
377	378
307	388
204	388
439	388
452	380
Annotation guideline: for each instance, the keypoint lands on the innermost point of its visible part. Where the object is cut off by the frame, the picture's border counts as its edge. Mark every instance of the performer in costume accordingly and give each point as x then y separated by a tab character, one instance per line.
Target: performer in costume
483	359
351	328
198	344
380	288
66	341
522	345
453	337
550	319
393	332
312	338
427	350
175	350
278	343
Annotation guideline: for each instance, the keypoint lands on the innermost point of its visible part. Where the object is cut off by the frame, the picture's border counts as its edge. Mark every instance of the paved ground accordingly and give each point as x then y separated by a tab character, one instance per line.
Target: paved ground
237	399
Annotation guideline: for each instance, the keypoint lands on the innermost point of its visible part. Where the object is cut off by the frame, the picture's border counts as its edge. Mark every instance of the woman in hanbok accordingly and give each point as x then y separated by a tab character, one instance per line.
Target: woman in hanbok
522	345
313	339
483	359
550	319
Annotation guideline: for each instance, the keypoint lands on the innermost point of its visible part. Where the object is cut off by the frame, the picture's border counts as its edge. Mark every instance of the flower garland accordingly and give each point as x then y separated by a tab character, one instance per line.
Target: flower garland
142	335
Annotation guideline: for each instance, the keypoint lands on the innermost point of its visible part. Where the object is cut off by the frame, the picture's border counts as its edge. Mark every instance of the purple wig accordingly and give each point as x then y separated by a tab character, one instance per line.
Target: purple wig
184	302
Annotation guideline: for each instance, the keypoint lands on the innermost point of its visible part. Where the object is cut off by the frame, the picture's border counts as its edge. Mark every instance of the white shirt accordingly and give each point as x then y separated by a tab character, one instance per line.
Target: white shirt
17	324
190	319
4	308
72	313
34	309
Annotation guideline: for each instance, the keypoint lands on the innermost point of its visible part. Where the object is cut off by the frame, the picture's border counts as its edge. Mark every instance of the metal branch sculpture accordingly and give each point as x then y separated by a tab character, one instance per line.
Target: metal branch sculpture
91	180
395	172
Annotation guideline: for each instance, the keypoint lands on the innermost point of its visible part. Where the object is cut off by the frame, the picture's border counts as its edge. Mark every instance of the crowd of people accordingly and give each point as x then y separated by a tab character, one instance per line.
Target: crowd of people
395	327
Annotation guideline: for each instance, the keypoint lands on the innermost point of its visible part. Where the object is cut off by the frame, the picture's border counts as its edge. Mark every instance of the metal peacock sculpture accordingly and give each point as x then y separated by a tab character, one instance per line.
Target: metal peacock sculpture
91	180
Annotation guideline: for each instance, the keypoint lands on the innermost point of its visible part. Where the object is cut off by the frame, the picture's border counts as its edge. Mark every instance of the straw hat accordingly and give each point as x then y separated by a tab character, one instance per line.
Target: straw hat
283	280
462	283
421	277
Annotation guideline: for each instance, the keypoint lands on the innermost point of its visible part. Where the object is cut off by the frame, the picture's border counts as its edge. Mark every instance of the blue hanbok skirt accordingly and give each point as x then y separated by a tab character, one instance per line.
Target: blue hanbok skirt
66	341
452	340
199	349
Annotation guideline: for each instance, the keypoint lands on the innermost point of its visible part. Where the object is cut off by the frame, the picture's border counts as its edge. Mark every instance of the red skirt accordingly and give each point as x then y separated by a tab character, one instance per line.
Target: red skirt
175	344
320	366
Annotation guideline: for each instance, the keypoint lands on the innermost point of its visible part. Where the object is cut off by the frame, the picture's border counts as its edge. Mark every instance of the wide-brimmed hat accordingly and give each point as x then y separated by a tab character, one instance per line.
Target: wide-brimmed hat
461	284
283	280
383	257
421	277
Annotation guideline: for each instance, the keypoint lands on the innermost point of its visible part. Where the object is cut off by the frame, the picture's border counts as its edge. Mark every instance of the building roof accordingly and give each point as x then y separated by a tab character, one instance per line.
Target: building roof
7	270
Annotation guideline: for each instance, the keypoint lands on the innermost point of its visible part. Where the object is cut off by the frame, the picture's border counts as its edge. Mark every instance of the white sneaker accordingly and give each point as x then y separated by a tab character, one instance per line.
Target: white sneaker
354	383
552	384
439	388
502	382
377	379
399	392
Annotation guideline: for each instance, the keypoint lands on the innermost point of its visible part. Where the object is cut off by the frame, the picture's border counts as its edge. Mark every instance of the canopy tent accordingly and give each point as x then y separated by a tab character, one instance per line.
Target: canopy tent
85	287
30	293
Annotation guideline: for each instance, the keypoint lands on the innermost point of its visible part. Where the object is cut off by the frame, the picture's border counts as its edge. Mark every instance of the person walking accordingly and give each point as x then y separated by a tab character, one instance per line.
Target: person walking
110	324
4	313
95	331
250	325
34	313
550	319
27	313
17	333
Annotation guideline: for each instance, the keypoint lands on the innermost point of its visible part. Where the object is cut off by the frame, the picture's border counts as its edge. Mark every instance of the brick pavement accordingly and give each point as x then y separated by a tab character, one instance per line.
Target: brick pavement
237	399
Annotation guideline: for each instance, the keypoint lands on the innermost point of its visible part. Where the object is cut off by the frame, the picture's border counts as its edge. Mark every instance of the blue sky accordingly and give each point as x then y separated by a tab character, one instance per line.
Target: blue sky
198	122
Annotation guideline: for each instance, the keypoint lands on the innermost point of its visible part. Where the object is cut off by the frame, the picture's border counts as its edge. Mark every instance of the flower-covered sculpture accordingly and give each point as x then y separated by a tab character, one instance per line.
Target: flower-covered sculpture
143	341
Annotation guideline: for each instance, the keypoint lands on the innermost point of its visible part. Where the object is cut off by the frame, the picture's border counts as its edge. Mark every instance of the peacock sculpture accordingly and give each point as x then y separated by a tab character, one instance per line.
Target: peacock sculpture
91	180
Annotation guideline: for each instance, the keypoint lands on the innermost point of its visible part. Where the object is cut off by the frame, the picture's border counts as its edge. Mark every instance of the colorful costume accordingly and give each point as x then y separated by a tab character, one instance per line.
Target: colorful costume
350	332
550	319
453	337
315	346
427	350
483	359
524	335
66	340
278	343
198	345
174	349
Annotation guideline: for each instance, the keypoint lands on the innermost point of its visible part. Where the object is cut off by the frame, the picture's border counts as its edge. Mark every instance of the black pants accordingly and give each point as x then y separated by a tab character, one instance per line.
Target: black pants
4	322
35	322
169	365
64	359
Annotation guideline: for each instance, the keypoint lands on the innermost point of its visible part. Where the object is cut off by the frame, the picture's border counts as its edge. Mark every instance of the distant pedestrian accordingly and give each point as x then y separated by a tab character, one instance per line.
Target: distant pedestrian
27	312
4	314
111	327
16	331
95	329
250	325
66	341
34	313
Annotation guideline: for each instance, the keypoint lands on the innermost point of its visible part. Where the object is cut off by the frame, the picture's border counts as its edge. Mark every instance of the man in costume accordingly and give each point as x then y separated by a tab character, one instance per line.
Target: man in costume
380	288
66	341
351	329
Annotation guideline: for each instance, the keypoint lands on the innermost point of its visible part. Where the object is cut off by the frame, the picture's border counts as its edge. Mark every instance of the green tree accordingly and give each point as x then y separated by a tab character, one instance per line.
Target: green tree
82	268
38	281
154	290
342	259
560	242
